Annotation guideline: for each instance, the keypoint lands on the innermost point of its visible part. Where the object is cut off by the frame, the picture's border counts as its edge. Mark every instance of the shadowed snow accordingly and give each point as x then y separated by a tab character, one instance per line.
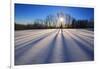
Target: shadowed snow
53	46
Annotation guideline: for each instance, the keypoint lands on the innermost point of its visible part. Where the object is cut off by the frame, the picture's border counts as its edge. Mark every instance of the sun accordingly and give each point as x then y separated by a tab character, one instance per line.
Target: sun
61	19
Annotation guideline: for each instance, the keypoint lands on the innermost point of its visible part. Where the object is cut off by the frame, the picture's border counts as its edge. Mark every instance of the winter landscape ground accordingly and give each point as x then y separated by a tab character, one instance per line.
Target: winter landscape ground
40	46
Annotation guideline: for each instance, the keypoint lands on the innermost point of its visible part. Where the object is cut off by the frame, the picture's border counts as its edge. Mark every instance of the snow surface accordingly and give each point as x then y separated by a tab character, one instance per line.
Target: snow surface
53	46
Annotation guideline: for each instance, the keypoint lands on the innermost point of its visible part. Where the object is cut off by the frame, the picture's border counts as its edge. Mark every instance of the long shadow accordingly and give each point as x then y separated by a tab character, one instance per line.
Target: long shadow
90	43
31	40
89	52
66	53
22	50
23	31
28	35
48	51
91	37
87	31
51	49
86	35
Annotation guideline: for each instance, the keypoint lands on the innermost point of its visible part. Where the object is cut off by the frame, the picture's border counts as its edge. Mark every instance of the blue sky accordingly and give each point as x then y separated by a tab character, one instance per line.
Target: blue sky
27	13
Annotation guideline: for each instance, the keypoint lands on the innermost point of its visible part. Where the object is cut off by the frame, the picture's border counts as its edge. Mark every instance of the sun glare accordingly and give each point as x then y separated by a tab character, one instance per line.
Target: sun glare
61	19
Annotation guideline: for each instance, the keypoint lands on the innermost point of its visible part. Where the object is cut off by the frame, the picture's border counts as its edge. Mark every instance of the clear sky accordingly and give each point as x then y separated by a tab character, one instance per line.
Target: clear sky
27	13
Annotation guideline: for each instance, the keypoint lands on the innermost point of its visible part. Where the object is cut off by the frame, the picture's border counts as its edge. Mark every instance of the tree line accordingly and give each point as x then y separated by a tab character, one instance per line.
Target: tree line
50	23
75	24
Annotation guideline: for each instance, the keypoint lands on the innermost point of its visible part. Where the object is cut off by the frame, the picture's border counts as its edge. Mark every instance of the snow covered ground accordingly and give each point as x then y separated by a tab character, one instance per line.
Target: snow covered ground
53	46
